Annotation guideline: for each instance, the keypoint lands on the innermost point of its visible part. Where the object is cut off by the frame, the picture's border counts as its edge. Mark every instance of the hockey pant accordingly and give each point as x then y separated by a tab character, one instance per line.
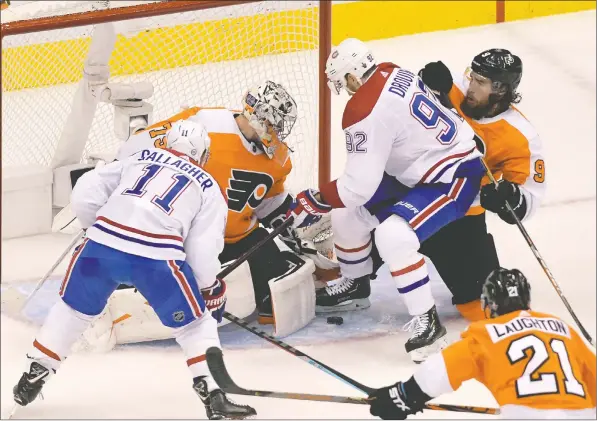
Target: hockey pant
464	254
403	218
94	273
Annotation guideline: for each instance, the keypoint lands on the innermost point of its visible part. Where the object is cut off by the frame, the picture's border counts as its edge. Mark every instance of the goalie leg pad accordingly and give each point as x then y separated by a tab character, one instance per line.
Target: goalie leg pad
293	296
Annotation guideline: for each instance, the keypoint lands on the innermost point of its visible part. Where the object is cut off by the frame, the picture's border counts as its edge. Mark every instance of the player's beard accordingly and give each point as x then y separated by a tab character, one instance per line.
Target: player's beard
476	112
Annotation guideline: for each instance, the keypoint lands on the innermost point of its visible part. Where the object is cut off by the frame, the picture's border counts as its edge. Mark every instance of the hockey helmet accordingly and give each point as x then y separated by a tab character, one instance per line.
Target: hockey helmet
350	56
500	66
505	291
191	139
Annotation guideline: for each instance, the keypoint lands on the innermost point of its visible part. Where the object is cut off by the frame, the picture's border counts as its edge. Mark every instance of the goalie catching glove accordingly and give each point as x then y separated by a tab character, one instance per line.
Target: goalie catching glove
215	299
306	209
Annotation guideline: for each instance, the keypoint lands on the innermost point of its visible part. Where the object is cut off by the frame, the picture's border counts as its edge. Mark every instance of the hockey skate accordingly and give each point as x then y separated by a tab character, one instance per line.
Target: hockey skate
344	294
428	336
30	384
217	404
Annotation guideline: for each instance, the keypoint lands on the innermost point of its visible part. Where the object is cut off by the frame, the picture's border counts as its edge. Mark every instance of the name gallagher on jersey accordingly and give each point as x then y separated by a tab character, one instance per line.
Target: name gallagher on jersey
181	164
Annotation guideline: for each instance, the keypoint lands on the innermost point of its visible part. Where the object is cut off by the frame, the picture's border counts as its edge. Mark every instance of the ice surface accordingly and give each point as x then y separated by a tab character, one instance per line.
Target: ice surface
152	381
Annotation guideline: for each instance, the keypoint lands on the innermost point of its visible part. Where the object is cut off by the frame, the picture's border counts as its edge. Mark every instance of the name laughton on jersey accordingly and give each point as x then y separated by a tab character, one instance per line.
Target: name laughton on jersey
183	165
497	332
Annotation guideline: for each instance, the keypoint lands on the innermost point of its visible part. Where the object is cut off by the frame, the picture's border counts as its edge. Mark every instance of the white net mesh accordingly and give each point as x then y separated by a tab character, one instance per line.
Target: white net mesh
203	58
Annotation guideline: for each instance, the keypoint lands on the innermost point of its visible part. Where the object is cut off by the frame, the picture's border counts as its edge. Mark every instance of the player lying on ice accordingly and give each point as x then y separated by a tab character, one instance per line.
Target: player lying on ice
250	160
463	252
535	365
412	168
154	220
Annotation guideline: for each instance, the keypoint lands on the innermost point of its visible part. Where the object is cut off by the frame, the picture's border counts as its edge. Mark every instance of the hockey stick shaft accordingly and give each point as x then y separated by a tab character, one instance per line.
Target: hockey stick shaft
319	365
539	258
53	268
243	257
218	369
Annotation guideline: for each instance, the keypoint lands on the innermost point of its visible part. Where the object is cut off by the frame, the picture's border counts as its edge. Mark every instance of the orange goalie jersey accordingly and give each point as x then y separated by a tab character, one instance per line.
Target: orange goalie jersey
252	183
511	148
530	361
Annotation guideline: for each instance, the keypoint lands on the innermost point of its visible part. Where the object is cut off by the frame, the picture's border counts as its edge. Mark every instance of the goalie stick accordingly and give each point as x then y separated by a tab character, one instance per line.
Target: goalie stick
539	258
217	367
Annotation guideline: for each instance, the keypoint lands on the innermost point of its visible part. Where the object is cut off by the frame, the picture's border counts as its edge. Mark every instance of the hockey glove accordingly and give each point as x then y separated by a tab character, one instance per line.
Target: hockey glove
392	402
494	199
215	299
306	209
437	77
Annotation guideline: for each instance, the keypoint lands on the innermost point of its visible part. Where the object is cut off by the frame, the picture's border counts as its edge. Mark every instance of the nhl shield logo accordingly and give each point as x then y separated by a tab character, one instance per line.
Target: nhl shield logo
178	316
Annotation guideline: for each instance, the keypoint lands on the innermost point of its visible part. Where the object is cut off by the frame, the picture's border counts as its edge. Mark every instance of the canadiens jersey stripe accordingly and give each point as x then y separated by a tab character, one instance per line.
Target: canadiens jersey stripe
459	157
137	240
138	231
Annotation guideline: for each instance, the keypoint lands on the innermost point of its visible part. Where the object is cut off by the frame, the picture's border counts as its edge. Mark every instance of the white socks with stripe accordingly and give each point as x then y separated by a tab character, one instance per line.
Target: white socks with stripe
352	241
194	339
61	329
398	246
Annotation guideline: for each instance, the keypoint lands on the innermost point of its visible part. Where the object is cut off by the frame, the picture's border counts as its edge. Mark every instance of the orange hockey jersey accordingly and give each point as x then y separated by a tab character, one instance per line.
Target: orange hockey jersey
252	183
512	148
530	361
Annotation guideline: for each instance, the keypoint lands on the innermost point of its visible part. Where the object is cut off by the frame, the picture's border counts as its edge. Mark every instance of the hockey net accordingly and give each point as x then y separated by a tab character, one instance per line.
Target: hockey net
195	53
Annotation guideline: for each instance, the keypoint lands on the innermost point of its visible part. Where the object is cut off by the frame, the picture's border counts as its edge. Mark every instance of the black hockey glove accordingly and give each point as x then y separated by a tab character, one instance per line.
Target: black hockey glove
288	236
437	77
494	200
277	218
397	401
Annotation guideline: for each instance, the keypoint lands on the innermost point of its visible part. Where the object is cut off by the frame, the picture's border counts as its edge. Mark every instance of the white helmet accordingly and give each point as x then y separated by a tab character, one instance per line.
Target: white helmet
351	56
191	139
271	103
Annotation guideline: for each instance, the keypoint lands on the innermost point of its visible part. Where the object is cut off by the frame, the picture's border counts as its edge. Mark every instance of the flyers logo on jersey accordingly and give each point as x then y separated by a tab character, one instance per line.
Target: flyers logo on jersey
247	188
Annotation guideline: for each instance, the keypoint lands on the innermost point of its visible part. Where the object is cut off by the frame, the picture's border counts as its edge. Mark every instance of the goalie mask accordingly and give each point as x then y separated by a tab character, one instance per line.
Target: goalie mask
272	112
191	139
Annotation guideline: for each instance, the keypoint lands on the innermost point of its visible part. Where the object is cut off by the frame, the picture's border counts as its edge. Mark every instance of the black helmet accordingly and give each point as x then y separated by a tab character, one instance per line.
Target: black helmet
499	65
505	291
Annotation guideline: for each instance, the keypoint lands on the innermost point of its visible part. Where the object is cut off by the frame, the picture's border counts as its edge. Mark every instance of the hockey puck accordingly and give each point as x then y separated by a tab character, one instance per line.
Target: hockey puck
335	320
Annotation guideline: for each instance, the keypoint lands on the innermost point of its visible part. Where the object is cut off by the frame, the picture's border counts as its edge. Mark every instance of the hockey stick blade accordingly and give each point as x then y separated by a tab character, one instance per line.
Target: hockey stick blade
217	367
215	362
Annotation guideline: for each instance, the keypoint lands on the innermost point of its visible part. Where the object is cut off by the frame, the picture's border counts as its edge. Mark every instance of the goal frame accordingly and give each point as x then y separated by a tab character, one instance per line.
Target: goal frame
169	7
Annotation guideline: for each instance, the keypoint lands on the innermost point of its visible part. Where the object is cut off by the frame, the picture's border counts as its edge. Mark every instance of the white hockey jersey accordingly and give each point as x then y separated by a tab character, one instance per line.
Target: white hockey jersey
158	205
252	183
393	124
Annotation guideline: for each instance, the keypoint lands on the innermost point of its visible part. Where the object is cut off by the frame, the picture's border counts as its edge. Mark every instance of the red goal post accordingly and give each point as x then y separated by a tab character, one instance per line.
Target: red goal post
203	53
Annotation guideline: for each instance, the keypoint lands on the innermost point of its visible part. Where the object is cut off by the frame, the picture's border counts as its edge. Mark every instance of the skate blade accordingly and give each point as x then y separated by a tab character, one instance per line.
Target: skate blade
350	305
220	416
11	413
421	354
